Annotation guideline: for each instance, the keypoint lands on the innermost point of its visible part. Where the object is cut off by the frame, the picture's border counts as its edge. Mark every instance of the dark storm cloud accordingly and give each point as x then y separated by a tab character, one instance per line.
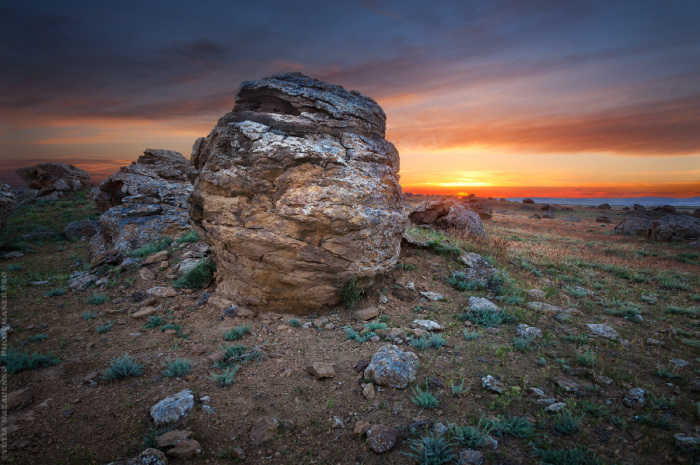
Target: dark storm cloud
171	59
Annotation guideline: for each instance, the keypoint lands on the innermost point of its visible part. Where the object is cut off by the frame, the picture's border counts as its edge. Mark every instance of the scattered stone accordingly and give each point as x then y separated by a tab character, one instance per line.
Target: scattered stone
470	457
144	312
173	408
492	384
426	325
679	362
687	440
434	296
439	429
604	218
321	370
544	307
263	430
474	260
171	438
604	206
535	216
603	331
185	448
162	292
529	331
481	304
361	428
634	398
392	367
146	274
17	400
635	224
382	438
568	385
528	201
81	280
10	255
157	257
548	215
337	423
361	366
536	294
555	407
369	392
147	457
367	313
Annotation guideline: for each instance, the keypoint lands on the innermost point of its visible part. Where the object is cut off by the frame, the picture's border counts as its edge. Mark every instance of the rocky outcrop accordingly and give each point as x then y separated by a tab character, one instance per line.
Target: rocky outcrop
143	202
7	204
54	177
604	206
674	228
298	194
448	213
76	230
482	207
635	224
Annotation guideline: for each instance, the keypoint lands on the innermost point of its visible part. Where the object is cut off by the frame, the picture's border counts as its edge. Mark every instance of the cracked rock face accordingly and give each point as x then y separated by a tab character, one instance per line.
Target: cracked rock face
143	202
298	193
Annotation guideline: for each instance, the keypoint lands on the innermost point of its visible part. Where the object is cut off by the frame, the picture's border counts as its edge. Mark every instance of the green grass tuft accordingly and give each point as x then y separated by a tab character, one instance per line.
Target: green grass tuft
151	248
424	399
227	378
105	328
198	277
55	292
189	237
177	368
351	294
97	299
566	423
236	333
431	450
123	367
18	360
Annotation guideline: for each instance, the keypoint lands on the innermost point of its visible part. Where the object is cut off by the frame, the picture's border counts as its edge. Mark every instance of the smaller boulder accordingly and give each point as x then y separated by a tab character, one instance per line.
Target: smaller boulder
603	219
263	430
173	408
528	201
367	313
603	331
82	228
572	219
634	397
382	438
392	367
427	325
492	384
321	370
604	206
481	304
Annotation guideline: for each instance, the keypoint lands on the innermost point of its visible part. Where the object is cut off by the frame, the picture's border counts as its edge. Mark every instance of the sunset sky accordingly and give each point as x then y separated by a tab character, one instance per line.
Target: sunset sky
503	98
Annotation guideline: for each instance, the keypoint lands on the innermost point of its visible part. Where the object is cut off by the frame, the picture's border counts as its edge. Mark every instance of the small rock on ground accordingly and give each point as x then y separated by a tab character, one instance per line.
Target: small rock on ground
173	408
321	370
470	457
264	430
427	325
392	367
492	384
382	438
634	397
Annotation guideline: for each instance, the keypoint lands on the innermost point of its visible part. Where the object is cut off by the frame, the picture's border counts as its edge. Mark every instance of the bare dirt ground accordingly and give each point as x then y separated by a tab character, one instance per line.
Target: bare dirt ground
71	421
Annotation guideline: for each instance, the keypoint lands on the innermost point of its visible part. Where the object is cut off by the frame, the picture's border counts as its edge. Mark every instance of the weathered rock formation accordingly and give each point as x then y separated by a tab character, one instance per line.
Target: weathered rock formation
674	228
635	224
482	207
604	206
54	177
298	194
7	203
448	213
143	202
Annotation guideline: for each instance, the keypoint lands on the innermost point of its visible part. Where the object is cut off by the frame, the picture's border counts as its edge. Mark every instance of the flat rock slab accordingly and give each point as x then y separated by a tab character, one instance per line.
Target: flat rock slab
492	384
427	325
162	292
544	307
434	296
367	313
173	408
603	331
481	304
171	438
144	312
185	448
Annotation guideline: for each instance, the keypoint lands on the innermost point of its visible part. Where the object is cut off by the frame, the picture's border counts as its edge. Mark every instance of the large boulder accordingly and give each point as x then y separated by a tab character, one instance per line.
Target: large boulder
298	194
674	228
448	213
7	203
635	224
482	207
54	177
392	367
76	230
143	202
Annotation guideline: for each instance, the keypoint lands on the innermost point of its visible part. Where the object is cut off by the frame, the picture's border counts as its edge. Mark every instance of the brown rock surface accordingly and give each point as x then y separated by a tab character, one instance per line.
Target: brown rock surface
674	228
448	213
53	177
298	193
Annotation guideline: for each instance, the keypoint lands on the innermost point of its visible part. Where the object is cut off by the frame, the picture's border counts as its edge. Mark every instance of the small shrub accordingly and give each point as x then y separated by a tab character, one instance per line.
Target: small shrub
105	328
164	328
151	248
594	410
97	299
471	436
189	237
522	343
566	423
236	333
375	325
154	322
18	360
444	249
424	399
519	427
576	456
458	389
587	358
355	336
578	339
239	354
294	323
432	340
198	277
470	335
694	312
123	367
404	266
488	318
666	373
459	281
89	315
351	294
661	421
177	368
662	403
431	450
37	338
227	378
55	292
